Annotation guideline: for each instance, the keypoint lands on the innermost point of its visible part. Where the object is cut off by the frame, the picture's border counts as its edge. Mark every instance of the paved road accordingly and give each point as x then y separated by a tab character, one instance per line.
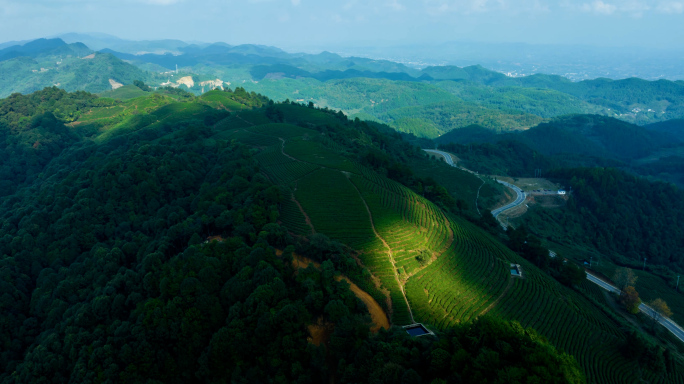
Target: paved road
520	194
450	161
518	200
446	156
664	321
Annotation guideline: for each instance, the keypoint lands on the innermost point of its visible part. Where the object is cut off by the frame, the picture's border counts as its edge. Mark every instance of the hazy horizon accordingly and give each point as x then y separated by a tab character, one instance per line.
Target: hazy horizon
302	24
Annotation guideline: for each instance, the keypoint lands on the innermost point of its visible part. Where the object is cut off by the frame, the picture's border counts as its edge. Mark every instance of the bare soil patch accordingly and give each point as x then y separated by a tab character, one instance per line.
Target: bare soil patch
115	84
378	316
319	333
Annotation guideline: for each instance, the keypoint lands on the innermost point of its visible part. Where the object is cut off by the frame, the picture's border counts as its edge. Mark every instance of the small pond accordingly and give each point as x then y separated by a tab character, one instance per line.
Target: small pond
417	330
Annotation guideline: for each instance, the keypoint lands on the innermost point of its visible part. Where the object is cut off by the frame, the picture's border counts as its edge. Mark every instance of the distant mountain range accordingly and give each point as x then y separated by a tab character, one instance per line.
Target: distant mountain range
43	47
427	102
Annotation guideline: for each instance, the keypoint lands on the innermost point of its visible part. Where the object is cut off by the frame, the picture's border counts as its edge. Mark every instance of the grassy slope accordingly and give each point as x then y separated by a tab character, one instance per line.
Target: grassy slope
468	273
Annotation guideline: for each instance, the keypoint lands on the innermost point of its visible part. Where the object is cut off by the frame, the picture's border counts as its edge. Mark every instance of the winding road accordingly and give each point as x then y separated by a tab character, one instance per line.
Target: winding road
648	311
520	198
450	161
447	157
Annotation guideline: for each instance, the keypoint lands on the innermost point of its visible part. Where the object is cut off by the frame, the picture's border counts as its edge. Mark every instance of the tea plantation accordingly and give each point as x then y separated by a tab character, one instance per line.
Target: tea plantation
435	268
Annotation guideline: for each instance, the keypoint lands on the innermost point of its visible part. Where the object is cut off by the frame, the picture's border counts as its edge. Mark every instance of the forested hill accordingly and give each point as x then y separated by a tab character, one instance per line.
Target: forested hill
578	139
673	127
43	47
142	248
621	215
46	63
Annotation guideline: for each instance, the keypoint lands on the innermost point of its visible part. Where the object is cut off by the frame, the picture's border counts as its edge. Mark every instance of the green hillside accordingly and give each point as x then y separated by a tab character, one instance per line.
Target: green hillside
542	102
113	273
418	108
466	272
69	72
633	100
674	127
578	139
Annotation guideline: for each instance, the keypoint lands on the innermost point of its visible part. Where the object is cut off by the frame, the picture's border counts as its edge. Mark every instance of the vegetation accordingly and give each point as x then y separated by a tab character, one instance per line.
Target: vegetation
623	216
660	309
113	274
629	297
531	249
26	75
624	277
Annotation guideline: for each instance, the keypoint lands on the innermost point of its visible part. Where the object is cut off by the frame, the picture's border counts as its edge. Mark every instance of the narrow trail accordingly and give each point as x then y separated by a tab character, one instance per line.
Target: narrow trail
378	316
248	122
477	198
450	241
307	219
389	249
498	299
282	150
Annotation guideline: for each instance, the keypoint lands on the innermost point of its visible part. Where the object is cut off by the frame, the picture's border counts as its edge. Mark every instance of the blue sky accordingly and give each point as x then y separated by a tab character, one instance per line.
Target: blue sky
302	23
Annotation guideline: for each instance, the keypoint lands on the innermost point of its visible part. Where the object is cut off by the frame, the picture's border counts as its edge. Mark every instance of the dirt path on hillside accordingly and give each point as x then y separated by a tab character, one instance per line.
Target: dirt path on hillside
498	299
378	316
282	150
477	198
441	252
307	219
389	249
248	122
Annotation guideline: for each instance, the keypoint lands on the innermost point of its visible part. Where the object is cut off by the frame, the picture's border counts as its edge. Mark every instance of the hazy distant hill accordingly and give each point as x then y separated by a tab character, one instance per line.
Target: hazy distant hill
43	47
328	79
99	41
61	67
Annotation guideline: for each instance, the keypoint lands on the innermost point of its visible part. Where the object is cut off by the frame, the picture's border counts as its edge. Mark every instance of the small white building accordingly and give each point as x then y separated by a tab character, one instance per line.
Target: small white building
561	192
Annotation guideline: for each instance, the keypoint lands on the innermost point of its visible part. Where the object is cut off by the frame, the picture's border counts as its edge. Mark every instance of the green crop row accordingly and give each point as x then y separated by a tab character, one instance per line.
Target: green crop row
334	207
315	153
293	218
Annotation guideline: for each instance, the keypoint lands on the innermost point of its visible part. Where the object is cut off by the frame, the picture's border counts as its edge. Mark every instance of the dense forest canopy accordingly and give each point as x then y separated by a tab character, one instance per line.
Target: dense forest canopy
621	215
107	274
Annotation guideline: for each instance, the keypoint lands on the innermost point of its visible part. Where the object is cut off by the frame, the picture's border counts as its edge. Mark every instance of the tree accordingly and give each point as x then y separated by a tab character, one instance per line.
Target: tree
659	309
624	277
141	85
423	256
630	299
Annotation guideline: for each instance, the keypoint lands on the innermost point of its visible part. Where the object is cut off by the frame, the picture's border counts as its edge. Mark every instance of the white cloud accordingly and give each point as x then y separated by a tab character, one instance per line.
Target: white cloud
162	2
437	7
671	7
395	5
296	2
599	7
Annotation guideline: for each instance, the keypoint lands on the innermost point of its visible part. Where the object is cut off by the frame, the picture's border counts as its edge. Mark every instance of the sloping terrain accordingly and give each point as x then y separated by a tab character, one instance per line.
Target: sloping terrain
436	268
110	231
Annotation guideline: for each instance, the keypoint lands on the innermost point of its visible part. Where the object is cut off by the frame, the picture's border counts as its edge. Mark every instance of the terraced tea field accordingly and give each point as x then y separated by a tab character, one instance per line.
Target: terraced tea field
437	269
